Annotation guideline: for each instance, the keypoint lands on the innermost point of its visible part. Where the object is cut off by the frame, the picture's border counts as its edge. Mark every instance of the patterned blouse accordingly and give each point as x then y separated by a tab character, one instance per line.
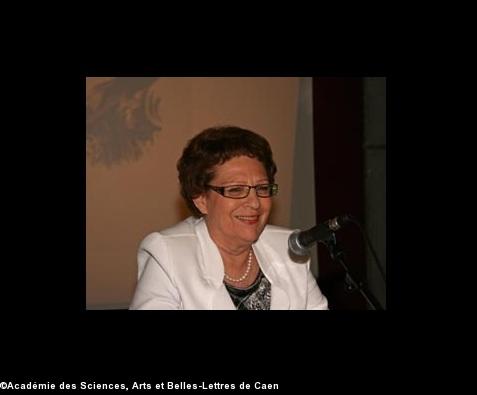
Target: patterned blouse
255	297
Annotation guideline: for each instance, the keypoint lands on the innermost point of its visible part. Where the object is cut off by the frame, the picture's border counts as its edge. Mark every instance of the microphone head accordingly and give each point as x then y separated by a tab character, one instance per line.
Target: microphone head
294	245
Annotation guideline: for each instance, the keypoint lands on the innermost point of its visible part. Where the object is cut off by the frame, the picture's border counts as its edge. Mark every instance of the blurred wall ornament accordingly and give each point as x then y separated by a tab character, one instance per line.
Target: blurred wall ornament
122	116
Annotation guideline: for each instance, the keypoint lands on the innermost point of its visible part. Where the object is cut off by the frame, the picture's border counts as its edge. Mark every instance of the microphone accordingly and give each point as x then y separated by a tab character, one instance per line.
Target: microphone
299	242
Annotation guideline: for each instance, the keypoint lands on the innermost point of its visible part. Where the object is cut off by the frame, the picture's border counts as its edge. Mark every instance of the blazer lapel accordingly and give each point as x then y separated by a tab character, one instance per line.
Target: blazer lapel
270	264
221	300
213	270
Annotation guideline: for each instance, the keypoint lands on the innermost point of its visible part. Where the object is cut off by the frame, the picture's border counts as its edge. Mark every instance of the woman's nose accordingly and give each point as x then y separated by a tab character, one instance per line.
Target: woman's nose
252	199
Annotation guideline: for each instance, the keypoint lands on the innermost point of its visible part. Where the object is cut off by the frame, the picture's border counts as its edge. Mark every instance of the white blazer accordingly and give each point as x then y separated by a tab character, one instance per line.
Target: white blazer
181	268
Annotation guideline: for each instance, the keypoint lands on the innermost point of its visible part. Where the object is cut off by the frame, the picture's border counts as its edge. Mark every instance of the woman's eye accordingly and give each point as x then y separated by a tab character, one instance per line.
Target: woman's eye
236	189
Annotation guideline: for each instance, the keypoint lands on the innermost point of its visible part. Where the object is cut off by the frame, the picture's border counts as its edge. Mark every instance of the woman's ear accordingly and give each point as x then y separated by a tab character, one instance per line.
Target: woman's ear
201	203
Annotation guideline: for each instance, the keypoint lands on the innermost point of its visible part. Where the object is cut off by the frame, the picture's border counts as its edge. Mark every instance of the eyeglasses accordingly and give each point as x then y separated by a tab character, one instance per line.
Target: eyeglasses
242	191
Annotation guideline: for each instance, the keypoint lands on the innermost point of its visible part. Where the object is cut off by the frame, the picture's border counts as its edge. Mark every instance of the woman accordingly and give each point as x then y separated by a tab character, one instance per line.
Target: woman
225	256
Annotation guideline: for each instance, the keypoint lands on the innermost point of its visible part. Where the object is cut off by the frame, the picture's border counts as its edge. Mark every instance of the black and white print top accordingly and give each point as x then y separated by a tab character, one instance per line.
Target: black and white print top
255	297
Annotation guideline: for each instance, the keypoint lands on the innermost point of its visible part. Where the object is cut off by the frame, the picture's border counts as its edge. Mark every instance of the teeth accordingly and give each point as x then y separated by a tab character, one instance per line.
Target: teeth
248	218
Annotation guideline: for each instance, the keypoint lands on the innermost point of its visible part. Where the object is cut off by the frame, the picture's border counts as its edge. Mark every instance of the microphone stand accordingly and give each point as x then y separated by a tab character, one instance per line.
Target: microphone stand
337	255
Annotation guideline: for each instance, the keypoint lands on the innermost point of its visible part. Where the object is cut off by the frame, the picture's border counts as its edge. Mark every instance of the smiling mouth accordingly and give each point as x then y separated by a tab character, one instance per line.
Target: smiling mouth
248	219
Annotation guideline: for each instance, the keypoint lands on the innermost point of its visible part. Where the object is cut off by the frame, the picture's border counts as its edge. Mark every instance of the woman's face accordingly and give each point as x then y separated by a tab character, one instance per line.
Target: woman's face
236	223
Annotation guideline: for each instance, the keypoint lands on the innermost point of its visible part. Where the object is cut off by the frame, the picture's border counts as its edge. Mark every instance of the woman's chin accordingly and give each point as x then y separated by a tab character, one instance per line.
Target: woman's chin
251	235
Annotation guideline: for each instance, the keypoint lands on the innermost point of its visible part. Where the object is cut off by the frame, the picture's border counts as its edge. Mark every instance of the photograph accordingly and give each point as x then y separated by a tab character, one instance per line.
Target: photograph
235	193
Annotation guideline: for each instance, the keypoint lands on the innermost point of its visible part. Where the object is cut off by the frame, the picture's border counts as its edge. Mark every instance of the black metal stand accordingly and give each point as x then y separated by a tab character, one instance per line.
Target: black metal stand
337	255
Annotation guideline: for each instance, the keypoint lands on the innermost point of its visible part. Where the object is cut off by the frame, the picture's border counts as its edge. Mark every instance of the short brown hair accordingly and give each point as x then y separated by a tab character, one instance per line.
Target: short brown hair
214	146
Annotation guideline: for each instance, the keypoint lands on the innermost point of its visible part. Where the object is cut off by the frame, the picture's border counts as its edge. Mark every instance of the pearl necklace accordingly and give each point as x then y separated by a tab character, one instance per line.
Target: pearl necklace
249	265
